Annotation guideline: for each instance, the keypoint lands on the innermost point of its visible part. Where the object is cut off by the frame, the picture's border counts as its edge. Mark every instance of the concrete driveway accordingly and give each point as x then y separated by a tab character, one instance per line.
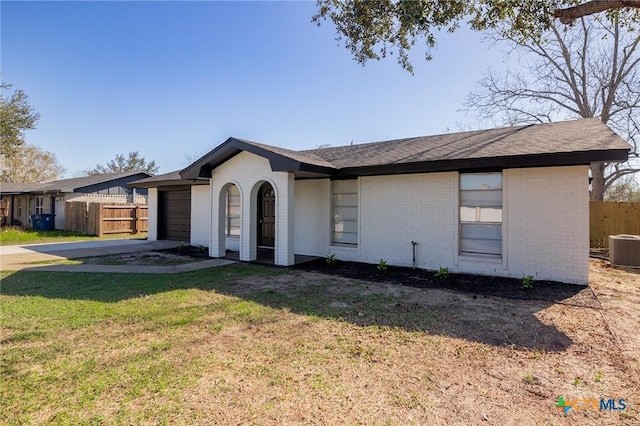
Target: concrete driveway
14	258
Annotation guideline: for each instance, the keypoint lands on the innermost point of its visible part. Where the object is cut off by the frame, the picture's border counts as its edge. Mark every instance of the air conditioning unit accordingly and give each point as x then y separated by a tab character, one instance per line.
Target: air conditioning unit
624	250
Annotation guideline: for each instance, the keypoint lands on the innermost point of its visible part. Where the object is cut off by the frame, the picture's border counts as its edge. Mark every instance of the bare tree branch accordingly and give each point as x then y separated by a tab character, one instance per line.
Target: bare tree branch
587	70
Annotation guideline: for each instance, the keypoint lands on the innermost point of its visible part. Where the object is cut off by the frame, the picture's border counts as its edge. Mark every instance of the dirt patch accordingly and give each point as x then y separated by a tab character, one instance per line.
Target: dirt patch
420	355
147	258
618	290
163	257
201	253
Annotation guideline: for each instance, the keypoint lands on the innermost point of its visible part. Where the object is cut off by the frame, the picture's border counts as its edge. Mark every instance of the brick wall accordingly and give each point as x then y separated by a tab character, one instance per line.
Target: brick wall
200	215
312	217
152	214
547	217
545	223
396	210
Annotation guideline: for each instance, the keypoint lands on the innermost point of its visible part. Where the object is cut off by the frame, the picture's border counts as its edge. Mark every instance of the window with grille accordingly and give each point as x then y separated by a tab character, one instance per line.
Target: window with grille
345	212
481	213
233	212
39	205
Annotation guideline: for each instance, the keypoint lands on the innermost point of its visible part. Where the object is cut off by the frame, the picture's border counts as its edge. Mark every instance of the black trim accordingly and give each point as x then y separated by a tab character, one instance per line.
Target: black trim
174	188
164	183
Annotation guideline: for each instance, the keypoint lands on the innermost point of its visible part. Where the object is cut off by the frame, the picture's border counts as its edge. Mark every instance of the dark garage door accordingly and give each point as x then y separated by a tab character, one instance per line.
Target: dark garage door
174	214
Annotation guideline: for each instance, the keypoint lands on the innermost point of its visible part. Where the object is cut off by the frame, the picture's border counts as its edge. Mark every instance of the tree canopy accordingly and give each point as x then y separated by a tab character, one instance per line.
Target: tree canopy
16	116
380	28
133	162
30	164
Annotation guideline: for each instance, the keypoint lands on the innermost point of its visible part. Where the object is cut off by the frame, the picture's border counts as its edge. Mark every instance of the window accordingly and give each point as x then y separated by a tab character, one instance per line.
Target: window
39	203
481	213
233	212
345	212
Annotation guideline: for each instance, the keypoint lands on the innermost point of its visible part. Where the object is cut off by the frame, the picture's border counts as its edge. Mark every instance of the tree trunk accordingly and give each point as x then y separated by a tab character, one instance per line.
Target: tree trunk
570	14
597	181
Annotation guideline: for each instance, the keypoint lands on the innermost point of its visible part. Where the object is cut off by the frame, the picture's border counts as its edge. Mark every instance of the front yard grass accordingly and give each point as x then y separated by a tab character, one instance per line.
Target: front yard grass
245	344
14	236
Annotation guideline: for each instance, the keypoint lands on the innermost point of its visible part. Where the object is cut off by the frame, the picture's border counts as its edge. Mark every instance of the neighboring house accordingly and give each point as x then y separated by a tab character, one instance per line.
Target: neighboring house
25	199
508	202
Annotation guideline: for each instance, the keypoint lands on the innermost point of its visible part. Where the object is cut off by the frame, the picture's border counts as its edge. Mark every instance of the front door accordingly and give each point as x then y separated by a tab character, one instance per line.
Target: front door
267	216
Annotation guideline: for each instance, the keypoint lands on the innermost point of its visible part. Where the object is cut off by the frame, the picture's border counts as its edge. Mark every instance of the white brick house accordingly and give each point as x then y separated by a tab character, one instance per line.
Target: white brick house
507	202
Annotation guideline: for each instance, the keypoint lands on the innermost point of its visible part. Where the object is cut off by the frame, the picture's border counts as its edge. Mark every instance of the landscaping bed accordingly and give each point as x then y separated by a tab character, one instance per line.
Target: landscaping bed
510	288
482	285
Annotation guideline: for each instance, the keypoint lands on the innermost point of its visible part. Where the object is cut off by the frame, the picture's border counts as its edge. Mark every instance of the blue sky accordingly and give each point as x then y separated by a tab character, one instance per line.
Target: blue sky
175	79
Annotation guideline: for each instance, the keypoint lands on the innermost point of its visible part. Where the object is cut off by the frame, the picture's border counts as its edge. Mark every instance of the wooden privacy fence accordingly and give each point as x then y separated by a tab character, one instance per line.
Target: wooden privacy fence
612	218
104	219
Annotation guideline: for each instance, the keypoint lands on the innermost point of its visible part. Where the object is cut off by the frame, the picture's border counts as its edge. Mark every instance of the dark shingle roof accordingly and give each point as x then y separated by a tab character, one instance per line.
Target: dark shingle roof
561	137
166	179
576	142
18	188
68	185
307	157
80	182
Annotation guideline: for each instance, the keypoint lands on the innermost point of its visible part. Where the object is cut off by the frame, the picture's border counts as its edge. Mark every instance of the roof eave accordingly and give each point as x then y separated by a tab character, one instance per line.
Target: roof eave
232	147
169	182
489	163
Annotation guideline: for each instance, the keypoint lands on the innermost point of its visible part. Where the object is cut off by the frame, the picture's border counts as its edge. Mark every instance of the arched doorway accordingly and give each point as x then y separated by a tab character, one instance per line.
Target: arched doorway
266	216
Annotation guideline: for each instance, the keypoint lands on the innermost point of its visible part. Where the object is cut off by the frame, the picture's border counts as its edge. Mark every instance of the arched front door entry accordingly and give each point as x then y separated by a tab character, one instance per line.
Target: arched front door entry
266	216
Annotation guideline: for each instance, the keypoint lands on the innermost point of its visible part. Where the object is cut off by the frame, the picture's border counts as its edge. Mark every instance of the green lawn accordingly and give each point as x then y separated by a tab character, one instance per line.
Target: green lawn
98	348
14	236
69	340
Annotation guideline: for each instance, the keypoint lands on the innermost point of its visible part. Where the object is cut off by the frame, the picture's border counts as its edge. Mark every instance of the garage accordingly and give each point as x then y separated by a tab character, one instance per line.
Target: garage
174	214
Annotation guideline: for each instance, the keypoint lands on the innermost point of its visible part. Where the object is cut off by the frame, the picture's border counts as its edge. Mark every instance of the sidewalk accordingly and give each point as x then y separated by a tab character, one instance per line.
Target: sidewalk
131	269
23	257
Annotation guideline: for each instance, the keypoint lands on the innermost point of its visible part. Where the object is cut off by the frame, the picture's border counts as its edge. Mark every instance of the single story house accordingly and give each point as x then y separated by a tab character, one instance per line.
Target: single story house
21	200
507	202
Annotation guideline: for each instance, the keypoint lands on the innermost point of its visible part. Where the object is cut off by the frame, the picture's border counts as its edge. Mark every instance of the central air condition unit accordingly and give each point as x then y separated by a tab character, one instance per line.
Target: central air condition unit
624	250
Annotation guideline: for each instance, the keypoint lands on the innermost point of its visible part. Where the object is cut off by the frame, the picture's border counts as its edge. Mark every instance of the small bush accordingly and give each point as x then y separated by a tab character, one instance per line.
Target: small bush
382	266
527	282
443	273
331	259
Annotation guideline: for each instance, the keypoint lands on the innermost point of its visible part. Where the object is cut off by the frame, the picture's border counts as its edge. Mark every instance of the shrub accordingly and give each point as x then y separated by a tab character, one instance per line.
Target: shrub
527	282
443	273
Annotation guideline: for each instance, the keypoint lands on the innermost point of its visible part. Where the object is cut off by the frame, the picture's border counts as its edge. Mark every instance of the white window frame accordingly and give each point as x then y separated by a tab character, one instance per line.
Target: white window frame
231	230
39	204
484	208
345	210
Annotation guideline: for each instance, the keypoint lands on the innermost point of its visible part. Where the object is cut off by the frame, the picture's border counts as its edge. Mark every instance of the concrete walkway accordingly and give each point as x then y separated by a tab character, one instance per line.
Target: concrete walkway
15	258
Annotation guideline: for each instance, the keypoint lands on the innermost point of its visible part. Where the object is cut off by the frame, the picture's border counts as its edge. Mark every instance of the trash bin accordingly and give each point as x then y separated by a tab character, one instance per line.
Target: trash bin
35	222
46	222
42	222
